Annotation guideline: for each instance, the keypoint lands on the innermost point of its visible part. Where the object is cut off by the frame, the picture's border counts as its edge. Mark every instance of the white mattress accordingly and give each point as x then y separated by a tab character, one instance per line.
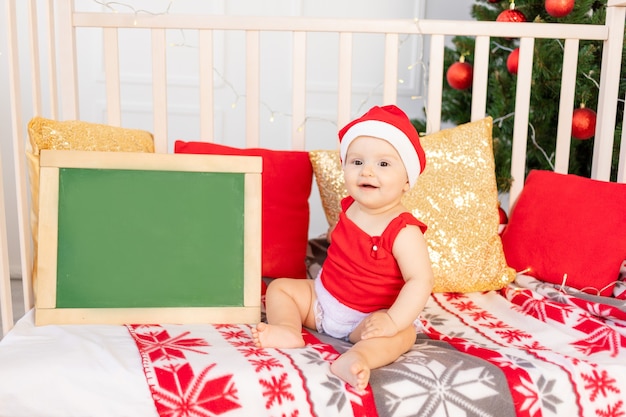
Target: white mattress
106	366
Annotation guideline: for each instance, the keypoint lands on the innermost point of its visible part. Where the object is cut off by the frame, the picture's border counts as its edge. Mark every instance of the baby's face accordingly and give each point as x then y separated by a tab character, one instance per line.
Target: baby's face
374	170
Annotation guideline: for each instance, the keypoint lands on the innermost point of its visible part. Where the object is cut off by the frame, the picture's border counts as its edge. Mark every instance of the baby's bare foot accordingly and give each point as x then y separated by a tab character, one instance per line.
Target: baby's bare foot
353	369
276	336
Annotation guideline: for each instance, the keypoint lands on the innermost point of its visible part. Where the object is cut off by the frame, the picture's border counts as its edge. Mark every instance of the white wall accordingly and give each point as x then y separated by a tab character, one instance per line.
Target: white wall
321	79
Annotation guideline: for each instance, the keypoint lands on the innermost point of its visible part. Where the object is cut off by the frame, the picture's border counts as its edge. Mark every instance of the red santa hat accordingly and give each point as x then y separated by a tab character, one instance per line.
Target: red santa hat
393	125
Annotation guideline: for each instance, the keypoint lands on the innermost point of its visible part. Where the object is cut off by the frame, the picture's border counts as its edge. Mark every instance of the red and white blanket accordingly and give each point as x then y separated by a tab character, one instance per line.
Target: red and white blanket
527	350
214	370
561	354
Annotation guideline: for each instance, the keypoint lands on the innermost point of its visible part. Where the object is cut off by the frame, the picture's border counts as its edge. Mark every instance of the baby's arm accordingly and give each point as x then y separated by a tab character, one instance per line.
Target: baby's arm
411	252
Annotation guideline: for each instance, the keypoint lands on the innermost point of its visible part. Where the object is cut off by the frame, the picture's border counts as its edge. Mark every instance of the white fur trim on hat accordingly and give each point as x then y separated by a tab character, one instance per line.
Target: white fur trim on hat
390	133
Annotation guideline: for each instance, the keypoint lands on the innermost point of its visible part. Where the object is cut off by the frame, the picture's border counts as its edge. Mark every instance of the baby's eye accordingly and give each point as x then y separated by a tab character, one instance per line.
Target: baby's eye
357	162
384	164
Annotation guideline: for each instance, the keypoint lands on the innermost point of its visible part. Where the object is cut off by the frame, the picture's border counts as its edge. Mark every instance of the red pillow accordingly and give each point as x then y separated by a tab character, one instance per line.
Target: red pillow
566	224
286	186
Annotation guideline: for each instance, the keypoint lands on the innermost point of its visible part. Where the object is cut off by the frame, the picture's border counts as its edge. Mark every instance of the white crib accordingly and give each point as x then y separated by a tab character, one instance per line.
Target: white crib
49	70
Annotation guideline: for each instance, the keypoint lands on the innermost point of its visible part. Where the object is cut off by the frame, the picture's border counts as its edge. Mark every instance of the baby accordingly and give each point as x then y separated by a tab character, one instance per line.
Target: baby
377	276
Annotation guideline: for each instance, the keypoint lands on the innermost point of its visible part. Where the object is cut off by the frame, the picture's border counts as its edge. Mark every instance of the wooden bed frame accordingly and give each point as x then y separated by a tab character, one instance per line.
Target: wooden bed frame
55	65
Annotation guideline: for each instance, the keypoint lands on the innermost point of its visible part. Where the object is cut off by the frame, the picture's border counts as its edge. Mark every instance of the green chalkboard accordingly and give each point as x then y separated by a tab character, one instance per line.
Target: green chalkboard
148	238
132	238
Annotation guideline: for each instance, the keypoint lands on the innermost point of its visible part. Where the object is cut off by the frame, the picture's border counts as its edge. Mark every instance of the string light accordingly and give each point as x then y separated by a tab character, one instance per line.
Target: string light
312	118
272	112
423	67
564	288
184	43
543	152
499	121
588	76
112	4
499	46
365	100
422	64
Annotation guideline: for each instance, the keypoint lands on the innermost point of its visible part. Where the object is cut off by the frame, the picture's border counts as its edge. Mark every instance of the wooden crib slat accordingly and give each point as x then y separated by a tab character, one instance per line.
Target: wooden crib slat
390	83
6	303
52	62
481	76
35	62
435	84
568	88
607	99
68	78
253	88
6	306
19	149
112	76
205	58
159	90
615	16
344	87
621	168
298	104
520	124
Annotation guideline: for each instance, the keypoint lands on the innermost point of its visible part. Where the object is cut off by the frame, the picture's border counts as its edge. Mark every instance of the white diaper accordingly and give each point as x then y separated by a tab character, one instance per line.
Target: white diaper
336	319
332	317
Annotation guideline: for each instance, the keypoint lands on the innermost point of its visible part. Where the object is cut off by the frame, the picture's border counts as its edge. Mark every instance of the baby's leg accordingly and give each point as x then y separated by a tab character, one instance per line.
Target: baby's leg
289	305
354	366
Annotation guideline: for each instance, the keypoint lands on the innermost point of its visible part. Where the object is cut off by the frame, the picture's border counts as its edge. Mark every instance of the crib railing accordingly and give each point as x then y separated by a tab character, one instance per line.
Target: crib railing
6	303
53	64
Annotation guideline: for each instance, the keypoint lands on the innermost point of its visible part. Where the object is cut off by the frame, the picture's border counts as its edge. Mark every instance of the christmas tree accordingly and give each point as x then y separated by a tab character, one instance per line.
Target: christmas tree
547	70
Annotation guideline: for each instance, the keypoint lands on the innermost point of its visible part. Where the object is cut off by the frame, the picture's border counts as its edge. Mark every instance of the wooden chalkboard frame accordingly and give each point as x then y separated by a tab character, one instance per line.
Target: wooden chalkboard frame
51	164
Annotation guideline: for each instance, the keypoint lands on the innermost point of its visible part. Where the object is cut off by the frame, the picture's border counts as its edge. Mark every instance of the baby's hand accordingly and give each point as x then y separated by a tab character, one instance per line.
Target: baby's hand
378	324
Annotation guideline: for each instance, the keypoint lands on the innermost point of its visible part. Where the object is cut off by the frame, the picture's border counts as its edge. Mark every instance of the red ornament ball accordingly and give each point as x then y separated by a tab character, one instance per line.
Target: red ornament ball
459	75
504	219
583	123
511	15
512	61
559	8
494	1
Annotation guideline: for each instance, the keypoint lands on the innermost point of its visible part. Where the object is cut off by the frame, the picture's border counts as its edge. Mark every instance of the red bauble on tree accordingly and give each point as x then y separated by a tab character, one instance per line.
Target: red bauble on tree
459	74
583	123
559	8
512	61
504	219
511	15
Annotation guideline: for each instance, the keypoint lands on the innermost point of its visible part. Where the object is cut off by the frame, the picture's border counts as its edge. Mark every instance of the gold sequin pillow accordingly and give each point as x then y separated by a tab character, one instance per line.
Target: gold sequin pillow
456	196
46	134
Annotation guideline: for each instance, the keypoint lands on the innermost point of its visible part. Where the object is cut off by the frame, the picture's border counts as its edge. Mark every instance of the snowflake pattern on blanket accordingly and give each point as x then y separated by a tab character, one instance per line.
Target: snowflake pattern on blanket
576	374
215	370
